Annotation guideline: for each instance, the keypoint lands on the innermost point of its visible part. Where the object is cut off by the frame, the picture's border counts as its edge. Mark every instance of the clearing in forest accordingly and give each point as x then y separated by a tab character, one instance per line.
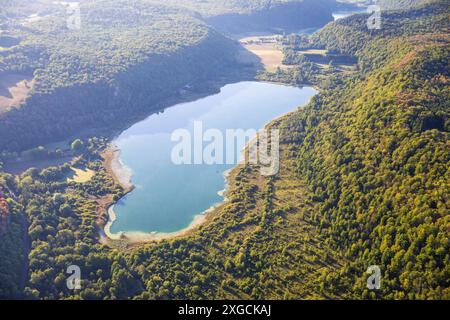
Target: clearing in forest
268	49
14	89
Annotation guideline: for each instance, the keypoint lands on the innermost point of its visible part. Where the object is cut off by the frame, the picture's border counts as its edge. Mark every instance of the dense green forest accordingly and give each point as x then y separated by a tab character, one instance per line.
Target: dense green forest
240	16
364	181
12	240
126	58
208	8
379	171
402	4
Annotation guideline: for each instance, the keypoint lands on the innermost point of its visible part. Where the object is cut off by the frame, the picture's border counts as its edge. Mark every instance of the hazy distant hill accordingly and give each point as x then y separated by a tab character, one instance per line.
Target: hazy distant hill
126	56
237	16
402	4
208	8
123	49
390	4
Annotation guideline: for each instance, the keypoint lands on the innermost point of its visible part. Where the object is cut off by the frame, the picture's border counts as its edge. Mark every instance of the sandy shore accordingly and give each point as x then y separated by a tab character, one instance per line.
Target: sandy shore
114	166
141	237
122	175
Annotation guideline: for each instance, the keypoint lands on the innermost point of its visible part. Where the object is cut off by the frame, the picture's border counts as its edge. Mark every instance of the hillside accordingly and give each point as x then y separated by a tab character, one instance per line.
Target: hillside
241	16
348	36
402	4
390	4
364	180
373	150
210	8
126	57
66	80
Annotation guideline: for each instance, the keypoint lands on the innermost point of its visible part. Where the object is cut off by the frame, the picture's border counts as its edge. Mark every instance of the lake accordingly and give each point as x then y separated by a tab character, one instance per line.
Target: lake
167	197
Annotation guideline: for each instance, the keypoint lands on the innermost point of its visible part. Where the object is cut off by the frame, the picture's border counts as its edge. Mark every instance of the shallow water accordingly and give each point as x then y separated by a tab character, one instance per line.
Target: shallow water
167	196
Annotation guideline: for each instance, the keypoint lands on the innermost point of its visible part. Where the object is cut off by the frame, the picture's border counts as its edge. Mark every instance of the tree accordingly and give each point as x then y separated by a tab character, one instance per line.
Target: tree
77	146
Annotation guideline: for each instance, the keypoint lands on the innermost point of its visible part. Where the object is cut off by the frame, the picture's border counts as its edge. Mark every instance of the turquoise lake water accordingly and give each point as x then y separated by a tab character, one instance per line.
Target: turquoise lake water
168	196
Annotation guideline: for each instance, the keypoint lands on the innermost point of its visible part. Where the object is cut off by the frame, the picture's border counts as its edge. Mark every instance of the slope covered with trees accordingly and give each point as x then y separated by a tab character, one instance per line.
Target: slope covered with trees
374	150
364	180
12	240
240	16
125	58
210	8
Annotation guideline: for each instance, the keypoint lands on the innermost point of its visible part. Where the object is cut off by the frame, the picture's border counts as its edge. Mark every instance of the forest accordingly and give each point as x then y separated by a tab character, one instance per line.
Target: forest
120	65
125	60
364	181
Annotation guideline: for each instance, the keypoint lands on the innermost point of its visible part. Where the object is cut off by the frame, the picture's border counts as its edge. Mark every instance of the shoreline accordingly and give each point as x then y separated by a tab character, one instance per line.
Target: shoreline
122	175
136	237
117	169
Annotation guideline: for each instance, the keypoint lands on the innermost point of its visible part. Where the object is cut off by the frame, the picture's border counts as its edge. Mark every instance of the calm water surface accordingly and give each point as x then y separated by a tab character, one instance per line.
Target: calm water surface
168	196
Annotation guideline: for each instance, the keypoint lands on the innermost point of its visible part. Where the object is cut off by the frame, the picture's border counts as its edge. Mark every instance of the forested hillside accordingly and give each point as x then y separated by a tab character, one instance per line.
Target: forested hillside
402	4
348	36
126	57
364	180
374	151
12	240
209	8
240	16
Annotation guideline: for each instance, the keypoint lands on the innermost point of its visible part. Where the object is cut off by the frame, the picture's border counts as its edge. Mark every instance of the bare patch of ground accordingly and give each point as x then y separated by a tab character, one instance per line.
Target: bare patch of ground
81	175
14	89
120	173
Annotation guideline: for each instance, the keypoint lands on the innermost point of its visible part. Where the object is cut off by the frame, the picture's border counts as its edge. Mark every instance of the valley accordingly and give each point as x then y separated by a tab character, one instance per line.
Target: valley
198	188
14	90
364	163
267	49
